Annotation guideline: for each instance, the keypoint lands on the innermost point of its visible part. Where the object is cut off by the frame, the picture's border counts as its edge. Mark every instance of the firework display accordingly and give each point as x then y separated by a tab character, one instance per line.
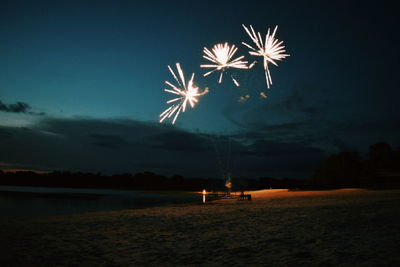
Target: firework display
271	49
186	93
221	57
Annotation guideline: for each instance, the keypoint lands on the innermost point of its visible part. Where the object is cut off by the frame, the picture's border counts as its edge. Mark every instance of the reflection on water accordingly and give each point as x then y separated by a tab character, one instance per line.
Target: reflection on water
32	201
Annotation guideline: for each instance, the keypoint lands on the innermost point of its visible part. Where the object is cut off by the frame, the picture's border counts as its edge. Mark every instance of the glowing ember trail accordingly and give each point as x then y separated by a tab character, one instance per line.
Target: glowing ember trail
186	92
221	56
271	50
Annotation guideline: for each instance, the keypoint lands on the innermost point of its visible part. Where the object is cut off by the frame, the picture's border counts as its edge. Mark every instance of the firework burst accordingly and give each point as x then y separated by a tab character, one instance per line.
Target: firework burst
186	92
221	55
271	50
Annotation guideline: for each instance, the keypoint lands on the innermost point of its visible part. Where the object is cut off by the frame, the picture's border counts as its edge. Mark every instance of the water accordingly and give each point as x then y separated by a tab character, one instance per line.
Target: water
41	201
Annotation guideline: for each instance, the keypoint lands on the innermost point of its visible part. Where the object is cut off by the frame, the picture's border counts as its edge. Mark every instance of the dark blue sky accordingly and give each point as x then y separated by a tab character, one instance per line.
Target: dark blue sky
91	74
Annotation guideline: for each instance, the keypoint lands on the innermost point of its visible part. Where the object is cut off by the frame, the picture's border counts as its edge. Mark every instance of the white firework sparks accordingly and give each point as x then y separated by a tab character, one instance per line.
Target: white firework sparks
271	50
221	55
186	92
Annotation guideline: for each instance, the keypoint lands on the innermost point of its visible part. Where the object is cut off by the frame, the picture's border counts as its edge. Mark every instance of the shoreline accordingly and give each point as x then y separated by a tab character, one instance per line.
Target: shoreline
276	228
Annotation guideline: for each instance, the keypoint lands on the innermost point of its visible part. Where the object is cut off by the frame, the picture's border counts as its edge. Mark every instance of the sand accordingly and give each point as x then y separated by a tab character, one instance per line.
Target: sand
348	227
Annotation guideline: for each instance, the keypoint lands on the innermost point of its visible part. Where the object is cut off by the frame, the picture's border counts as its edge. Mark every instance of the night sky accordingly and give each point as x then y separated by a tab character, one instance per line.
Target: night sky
81	86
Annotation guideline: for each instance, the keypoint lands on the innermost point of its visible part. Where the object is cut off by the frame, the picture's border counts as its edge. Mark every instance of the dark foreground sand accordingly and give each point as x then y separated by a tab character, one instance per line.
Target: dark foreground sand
278	228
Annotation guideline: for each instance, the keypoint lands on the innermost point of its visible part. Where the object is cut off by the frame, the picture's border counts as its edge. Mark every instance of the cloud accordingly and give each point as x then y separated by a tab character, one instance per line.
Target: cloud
294	101
285	126
108	141
19	107
311	110
264	145
4	133
298	100
306	117
330	135
109	146
263	148
295	106
180	141
120	146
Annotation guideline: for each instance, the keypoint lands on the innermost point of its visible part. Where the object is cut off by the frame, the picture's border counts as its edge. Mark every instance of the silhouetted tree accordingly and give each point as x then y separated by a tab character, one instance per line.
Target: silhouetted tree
340	170
380	156
382	168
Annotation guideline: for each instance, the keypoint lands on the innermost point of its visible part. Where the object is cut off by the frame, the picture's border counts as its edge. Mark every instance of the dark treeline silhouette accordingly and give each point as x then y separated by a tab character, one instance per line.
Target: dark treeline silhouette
138	181
381	169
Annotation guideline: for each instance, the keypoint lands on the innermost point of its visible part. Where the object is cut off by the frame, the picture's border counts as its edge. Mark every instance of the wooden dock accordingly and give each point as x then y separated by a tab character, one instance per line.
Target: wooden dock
227	195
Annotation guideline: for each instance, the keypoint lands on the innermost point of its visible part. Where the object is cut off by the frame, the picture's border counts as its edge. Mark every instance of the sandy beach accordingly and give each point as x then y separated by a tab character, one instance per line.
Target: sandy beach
348	227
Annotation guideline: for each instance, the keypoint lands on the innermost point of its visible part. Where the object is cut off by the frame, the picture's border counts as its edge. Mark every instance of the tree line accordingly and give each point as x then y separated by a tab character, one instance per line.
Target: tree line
381	169
138	181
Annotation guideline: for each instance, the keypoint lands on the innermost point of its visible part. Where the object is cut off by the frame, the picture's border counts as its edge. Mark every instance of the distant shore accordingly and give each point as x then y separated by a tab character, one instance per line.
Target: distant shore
276	228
